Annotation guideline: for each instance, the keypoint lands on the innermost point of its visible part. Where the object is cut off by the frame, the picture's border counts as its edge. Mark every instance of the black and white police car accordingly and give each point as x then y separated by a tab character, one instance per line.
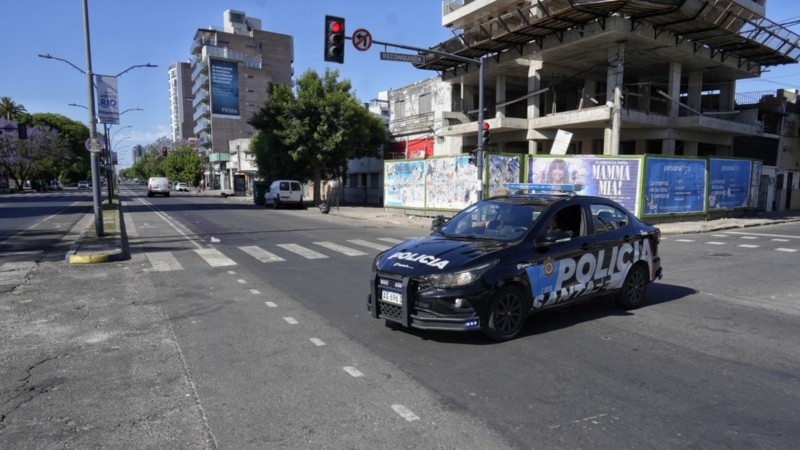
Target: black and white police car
501	259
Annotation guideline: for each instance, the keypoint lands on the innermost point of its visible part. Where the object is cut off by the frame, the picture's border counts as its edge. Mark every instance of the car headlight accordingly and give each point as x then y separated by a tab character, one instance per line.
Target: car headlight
376	262
460	278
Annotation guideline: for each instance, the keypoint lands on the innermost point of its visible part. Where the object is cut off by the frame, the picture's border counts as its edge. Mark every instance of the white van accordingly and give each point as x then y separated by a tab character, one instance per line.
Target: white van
284	193
158	185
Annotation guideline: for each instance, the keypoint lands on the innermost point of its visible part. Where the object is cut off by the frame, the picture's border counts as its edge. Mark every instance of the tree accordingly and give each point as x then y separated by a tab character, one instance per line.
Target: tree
183	164
312	133
34	157
76	165
10	110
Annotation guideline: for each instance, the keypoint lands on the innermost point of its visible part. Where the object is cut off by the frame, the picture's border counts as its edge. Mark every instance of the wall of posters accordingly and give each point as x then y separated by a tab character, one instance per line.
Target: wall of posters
613	178
403	183
502	170
674	185
755	183
728	183
451	183
224	87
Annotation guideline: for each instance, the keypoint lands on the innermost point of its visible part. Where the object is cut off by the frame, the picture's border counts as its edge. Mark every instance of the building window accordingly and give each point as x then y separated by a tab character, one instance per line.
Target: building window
399	109
425	103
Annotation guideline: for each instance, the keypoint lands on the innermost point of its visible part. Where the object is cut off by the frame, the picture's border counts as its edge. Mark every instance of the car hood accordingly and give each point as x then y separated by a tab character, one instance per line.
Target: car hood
436	254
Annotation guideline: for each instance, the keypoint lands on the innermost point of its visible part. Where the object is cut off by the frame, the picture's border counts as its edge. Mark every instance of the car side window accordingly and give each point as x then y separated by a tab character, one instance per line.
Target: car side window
568	220
295	186
607	218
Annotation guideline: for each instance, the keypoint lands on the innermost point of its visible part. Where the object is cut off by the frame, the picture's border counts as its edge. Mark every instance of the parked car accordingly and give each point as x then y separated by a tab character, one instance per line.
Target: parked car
502	259
56	185
83	184
284	193
181	186
158	186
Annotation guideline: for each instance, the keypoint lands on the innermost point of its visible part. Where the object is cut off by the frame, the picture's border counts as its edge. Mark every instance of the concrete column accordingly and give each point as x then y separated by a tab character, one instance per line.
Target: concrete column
668	147
616	70
695	80
644	99
689	148
641	146
674	89
534	84
727	96
467	97
500	94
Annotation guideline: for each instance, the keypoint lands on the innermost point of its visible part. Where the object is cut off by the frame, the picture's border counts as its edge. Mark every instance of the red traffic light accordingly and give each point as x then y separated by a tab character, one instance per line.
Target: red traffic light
485	126
334	39
336	26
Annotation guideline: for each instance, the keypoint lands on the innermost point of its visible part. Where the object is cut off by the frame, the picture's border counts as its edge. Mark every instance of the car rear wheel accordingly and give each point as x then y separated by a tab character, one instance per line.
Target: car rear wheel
506	314
633	289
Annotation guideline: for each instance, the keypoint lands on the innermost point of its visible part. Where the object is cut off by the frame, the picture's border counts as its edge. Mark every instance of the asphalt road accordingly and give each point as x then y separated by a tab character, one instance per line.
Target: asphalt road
234	326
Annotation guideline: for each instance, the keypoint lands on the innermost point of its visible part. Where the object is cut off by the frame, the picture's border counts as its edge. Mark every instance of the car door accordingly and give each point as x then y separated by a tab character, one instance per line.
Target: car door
610	234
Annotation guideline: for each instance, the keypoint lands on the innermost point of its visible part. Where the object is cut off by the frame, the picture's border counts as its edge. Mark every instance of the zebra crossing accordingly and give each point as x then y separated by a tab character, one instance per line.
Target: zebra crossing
166	261
744	240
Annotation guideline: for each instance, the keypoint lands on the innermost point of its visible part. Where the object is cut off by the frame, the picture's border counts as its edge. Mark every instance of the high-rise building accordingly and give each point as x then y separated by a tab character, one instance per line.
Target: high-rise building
180	104
231	73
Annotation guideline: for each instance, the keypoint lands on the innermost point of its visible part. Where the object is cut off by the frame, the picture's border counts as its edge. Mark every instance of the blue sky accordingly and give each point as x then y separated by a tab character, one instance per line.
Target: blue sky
126	33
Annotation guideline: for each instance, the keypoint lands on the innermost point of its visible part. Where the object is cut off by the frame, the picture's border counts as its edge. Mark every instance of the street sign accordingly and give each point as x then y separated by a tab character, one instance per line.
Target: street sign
402	57
95	145
362	39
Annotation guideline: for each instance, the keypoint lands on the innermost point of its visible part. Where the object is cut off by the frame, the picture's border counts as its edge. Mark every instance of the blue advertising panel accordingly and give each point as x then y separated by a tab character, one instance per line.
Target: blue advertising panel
613	178
224	87
674	185
404	183
729	183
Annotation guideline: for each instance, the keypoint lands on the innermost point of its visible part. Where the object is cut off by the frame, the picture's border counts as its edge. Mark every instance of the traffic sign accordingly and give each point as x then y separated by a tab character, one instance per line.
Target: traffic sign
402	57
362	39
95	145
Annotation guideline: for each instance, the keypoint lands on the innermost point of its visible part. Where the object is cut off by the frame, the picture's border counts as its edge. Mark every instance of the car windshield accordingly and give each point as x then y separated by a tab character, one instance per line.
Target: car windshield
495	220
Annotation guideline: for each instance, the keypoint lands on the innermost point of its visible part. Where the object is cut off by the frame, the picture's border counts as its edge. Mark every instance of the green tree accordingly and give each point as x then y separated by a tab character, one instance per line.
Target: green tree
311	133
34	157
76	163
183	163
10	110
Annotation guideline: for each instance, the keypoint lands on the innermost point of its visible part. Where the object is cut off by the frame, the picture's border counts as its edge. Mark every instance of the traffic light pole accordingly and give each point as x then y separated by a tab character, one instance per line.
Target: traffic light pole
480	63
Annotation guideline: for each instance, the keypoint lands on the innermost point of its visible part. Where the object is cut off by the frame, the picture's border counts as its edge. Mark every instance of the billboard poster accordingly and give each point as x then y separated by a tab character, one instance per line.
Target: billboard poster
451	183
107	99
729	183
502	170
674	185
613	178
224	87
755	183
403	183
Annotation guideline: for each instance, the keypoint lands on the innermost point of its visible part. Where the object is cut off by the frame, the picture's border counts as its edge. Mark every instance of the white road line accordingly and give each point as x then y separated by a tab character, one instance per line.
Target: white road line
214	257
715	243
26	252
368	244
684	240
719	235
261	254
241	281
163	262
271	304
340	248
788	250
748	246
318	342
353	371
779	240
392	240
255	292
748	237
291	320
302	251
766	234
405	413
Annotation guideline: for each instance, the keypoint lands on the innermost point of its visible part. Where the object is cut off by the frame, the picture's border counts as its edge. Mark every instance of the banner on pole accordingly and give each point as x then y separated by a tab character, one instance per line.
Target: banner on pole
107	99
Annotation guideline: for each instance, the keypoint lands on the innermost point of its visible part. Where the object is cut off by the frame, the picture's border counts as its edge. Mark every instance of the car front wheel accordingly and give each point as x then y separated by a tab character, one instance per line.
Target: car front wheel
633	289
506	314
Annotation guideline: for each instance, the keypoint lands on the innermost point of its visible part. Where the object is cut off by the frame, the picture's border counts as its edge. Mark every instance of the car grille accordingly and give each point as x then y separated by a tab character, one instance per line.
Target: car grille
392	312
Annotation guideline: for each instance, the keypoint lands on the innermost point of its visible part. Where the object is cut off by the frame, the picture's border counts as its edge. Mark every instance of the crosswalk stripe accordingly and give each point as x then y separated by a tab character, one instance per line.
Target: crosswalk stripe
340	248
391	240
163	262
214	257
302	251
261	254
747	246
788	250
368	244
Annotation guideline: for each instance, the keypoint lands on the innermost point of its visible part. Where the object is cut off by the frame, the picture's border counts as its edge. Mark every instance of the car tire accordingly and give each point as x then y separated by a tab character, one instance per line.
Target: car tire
277	202
507	314
631	295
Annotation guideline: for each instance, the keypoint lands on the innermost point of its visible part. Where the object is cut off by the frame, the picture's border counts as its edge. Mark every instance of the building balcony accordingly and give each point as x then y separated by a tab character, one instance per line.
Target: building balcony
200	112
200	97
203	126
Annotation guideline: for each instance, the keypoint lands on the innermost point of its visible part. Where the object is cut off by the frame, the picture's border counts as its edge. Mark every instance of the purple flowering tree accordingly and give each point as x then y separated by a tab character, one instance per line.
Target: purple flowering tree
38	156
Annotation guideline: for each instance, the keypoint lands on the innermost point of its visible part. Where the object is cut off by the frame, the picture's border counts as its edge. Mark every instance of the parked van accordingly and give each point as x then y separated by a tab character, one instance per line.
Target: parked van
284	193
158	185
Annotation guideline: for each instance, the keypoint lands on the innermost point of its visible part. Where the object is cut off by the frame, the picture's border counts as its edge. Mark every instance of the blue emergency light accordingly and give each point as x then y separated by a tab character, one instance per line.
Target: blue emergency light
540	187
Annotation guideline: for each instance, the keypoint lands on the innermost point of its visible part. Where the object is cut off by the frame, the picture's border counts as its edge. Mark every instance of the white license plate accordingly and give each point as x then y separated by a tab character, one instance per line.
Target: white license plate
392	297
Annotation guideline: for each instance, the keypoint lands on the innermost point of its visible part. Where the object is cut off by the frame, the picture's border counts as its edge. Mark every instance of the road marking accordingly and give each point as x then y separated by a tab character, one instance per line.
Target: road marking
163	262
369	244
241	281
302	251
766	234
317	342
391	240
684	240
21	253
788	250
271	304
353	371
748	246
261	254
405	413
340	248
255	292
715	243
291	320
719	235
779	240
214	257
749	237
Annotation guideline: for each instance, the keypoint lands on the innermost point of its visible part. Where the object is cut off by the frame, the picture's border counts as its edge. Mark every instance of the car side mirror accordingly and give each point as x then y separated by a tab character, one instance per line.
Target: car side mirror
554	236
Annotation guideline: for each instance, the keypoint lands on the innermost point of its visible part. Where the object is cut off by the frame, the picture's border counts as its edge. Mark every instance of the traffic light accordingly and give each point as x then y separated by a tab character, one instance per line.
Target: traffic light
485	133
334	39
163	151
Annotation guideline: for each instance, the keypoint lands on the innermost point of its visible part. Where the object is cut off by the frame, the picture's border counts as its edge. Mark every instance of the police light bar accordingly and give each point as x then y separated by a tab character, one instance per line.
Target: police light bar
540	187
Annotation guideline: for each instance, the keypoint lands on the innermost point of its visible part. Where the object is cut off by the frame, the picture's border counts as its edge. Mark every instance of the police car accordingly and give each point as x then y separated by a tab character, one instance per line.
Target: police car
501	259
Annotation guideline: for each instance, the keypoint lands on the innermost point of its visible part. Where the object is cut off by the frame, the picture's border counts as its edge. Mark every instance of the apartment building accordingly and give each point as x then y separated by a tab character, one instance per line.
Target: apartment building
231	70
180	101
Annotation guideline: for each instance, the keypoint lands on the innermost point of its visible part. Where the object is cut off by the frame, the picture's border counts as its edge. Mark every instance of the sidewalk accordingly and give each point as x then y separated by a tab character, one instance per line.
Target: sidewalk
89	249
